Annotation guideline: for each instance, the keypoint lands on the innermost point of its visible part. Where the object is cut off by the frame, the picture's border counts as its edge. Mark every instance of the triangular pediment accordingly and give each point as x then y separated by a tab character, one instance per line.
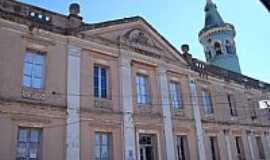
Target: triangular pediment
136	34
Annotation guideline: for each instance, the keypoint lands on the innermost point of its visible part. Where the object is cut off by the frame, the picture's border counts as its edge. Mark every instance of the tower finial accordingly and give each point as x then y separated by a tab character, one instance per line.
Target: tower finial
209	1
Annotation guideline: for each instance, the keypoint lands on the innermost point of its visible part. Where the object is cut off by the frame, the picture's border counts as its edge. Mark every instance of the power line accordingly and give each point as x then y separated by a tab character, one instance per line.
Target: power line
216	103
83	121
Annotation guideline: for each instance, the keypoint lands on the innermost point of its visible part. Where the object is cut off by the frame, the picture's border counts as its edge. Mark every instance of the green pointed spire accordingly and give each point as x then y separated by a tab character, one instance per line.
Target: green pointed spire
212	16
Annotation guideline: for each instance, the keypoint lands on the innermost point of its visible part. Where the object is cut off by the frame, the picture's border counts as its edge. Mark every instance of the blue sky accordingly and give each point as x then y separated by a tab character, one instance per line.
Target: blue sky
179	21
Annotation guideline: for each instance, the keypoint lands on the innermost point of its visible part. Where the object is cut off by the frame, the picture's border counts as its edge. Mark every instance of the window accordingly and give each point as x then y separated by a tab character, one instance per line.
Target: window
28	144
260	148
148	147
182	148
100	82
239	148
142	89
218	48
103	150
229	47
207	102
175	94
253	105
33	73
214	148
207	50
232	105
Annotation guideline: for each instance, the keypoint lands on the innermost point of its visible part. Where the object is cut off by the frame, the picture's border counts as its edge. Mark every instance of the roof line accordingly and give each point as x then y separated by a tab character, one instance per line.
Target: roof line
39	8
127	20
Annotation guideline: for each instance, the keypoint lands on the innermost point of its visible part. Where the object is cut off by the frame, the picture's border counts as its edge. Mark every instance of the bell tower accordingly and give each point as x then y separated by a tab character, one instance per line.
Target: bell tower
217	38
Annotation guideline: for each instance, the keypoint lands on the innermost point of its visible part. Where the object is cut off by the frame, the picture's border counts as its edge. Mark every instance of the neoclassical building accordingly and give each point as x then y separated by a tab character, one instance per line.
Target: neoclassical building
118	90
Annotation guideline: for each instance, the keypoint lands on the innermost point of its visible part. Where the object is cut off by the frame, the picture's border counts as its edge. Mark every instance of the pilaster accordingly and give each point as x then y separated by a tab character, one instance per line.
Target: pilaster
228	136
167	118
266	144
73	104
250	136
197	117
126	97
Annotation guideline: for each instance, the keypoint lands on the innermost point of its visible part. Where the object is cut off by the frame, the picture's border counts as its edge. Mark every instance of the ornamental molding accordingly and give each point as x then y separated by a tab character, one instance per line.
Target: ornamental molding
214	30
26	121
141	42
138	36
33	94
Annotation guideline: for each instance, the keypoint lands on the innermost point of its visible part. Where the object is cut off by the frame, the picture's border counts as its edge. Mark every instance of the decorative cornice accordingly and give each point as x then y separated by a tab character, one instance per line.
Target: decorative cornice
215	29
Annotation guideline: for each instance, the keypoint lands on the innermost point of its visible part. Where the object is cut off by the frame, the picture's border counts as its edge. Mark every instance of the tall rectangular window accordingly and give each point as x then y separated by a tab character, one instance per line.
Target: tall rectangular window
103	150
33	73
28	144
207	102
100	82
232	105
142	89
214	148
260	148
253	106
182	148
175	95
239	148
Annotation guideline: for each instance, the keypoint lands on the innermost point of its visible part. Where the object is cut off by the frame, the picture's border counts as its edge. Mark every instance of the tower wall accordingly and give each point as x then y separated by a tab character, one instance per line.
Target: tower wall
223	55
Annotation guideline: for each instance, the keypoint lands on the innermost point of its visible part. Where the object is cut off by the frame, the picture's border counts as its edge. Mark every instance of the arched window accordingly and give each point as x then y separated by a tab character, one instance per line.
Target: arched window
208	53
229	47
218	48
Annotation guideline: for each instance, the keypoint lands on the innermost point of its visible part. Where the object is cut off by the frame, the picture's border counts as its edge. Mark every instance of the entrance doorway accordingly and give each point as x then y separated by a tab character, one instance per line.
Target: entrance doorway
148	149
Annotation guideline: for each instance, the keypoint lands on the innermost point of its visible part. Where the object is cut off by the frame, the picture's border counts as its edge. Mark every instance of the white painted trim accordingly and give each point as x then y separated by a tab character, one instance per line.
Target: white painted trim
142	71
154	132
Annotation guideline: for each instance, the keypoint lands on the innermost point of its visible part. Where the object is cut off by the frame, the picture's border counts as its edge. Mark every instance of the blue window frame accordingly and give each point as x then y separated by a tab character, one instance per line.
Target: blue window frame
103	149
207	102
34	67
175	95
100	81
28	144
142	89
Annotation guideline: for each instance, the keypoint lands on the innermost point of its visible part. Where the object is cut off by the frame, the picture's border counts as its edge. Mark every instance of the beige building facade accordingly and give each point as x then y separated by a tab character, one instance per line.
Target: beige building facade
118	90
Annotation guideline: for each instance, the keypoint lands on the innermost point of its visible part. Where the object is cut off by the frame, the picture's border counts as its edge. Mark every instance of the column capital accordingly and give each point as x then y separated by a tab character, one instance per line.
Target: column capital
226	131
74	50
249	132
125	61
162	69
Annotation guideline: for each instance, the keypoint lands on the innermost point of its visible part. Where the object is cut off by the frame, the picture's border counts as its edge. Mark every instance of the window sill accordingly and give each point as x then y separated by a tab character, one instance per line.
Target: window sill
209	116
33	94
144	107
103	103
178	112
233	118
